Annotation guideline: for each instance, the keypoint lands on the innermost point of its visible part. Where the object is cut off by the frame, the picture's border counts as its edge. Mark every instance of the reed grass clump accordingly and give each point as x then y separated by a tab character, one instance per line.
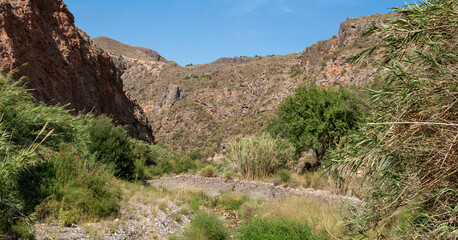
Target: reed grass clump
406	158
259	156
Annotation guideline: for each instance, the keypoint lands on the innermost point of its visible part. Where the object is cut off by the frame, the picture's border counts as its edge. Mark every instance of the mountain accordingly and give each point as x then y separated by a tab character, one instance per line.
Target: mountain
63	65
202	107
118	48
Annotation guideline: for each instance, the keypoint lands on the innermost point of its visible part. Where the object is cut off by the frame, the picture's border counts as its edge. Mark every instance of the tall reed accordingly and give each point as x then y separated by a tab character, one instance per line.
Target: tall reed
259	156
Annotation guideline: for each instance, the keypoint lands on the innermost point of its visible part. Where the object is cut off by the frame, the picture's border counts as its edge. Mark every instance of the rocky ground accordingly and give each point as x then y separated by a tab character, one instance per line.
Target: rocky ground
155	219
213	187
145	216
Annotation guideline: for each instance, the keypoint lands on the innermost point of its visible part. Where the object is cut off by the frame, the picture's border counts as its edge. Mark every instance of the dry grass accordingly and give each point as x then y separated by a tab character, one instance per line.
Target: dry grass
319	214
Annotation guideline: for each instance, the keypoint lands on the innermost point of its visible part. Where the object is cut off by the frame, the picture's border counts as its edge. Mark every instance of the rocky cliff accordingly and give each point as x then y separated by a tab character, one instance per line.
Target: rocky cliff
202	107
63	65
325	62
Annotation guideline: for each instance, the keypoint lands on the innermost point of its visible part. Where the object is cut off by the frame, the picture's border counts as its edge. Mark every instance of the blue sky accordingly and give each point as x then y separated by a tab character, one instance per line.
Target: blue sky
201	31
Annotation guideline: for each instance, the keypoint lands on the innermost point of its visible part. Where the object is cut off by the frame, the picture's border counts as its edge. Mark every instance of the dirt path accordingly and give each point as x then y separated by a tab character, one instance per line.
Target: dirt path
213	187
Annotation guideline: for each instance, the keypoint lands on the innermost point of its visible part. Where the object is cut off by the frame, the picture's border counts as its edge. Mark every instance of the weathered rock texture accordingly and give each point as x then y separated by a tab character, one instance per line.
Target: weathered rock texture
325	62
63	65
234	97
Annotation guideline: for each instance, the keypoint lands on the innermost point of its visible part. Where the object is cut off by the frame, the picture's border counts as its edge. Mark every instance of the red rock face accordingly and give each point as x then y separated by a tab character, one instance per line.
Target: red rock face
63	65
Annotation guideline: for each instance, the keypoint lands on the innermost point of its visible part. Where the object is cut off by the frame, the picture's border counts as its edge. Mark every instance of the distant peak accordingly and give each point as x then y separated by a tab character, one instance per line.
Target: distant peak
115	47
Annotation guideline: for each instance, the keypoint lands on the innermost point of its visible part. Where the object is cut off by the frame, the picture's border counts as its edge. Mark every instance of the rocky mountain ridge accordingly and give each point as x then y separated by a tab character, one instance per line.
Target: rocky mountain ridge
118	48
326	62
64	67
200	108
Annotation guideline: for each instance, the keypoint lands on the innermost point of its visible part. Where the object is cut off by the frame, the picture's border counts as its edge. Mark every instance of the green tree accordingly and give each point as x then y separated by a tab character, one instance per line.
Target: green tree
316	118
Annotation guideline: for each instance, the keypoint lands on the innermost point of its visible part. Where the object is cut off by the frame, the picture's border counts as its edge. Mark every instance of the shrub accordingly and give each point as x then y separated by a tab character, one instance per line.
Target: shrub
206	226
111	146
170	162
196	155
284	175
228	175
277	181
275	229
295	71
208	171
258	156
145	158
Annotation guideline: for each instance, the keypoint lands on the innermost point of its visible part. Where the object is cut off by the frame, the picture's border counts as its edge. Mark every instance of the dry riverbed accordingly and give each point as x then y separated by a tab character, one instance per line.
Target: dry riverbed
148	214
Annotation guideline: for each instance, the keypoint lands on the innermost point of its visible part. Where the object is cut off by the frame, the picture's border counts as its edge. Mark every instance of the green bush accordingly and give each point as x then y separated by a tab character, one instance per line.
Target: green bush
258	156
170	162
275	229
208	171
196	155
207	226
110	145
228	175
145	158
284	175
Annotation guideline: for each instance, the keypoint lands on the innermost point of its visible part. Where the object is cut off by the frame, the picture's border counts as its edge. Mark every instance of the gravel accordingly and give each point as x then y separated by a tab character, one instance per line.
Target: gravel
139	221
213	187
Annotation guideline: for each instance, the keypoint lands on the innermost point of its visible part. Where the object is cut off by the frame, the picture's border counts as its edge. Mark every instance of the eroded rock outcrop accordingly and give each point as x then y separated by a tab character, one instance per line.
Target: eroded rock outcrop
63	65
325	61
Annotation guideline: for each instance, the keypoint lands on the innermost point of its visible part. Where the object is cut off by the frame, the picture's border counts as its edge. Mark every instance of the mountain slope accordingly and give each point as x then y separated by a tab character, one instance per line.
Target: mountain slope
63	65
325	62
118	48
202	107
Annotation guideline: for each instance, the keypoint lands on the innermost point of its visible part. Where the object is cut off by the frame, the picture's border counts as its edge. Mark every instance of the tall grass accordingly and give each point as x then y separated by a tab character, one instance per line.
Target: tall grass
258	156
78	190
407	159
206	226
322	217
275	229
12	163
